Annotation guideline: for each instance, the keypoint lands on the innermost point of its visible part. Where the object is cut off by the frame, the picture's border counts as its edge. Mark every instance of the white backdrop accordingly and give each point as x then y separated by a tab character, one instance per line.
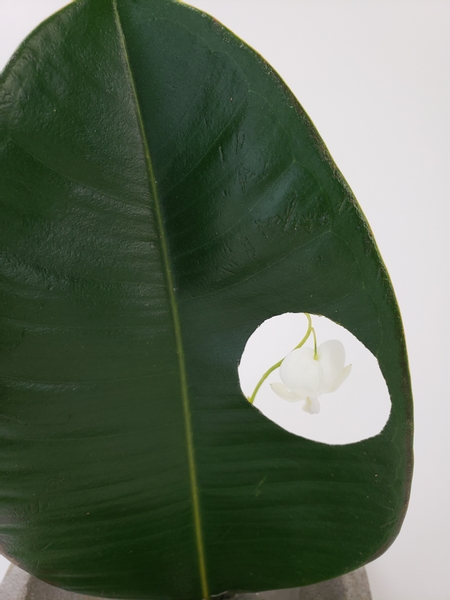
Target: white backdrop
374	75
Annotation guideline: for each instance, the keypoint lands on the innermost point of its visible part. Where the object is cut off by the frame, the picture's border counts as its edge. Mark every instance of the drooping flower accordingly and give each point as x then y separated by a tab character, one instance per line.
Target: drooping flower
306	376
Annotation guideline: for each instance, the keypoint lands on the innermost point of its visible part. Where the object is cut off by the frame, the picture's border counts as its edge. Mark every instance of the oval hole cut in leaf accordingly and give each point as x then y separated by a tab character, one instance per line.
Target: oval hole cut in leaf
162	194
357	410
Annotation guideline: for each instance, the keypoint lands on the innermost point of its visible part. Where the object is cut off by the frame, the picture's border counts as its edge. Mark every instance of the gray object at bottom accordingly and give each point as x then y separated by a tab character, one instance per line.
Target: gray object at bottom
19	585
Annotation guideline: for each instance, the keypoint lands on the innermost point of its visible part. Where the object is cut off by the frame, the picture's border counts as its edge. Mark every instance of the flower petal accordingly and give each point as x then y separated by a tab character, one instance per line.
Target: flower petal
302	394
281	390
331	358
312	406
342	377
299	371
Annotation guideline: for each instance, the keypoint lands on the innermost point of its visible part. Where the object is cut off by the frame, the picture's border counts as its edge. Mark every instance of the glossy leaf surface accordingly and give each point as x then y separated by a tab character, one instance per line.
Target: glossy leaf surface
161	194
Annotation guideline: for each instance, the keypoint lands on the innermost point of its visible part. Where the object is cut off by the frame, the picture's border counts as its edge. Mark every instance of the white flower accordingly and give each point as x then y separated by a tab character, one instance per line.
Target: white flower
306	377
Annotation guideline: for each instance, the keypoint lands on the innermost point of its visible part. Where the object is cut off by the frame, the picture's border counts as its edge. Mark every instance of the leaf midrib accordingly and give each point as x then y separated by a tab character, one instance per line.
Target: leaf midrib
174	312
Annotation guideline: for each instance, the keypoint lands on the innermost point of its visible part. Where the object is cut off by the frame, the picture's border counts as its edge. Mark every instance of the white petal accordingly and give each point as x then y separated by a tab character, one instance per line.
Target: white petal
281	390
331	358
299	371
301	393
312	406
342	377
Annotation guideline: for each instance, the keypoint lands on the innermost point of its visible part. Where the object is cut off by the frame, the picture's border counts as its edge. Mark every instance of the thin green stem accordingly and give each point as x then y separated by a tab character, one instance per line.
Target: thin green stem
307	334
278	364
262	380
315	342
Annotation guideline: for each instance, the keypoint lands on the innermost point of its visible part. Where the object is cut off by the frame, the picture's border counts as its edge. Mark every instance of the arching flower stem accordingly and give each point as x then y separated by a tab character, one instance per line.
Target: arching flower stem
278	364
315	343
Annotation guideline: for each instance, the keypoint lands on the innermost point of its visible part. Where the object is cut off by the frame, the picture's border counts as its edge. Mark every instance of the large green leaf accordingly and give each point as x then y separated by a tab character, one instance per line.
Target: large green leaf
162	194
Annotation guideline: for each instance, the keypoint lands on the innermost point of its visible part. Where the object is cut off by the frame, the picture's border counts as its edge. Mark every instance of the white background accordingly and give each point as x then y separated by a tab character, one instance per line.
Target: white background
374	75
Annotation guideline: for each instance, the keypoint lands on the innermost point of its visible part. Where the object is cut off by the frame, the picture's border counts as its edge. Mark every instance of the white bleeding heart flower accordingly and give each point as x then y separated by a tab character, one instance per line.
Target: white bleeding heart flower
306	376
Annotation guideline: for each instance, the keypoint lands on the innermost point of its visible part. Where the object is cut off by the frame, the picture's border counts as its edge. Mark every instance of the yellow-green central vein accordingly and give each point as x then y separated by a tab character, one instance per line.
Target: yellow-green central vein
175	319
